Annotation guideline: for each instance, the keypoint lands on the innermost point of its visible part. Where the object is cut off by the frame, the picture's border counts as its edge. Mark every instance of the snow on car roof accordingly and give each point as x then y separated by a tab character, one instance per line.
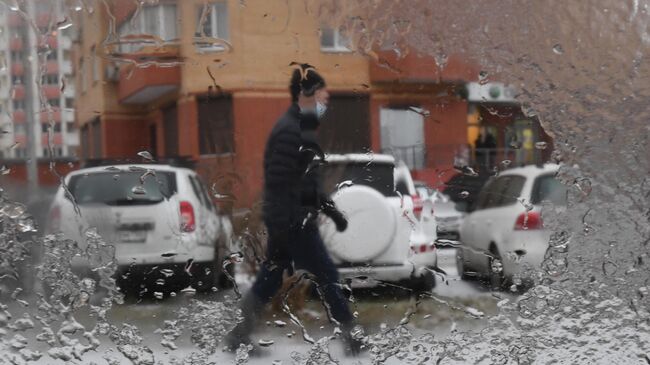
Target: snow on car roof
125	167
531	170
361	158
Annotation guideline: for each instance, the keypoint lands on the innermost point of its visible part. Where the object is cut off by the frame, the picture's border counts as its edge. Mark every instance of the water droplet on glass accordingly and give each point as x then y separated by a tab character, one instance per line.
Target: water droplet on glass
515	144
280	323
541	145
557	49
265	343
158	295
4	170
483	77
116	177
506	163
344	184
112	168
139	190
463	194
146	155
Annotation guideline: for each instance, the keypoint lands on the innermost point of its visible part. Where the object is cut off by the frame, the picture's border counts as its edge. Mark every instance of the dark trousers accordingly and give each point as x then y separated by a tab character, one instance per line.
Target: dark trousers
304	247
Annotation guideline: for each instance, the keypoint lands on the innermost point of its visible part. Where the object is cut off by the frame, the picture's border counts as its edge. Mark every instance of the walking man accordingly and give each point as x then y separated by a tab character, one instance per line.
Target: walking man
293	197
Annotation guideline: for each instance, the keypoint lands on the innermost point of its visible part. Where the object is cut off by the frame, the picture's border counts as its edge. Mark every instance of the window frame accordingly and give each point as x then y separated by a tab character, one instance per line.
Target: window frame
140	26
337	47
214	26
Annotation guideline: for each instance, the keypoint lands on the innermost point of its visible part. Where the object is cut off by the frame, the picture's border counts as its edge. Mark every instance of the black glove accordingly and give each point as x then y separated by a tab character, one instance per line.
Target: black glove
329	208
340	221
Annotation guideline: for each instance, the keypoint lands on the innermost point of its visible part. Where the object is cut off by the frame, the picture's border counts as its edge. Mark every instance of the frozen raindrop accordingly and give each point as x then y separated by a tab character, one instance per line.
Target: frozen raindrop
541	145
265	342
344	184
146	155
280	323
557	49
139	190
483	77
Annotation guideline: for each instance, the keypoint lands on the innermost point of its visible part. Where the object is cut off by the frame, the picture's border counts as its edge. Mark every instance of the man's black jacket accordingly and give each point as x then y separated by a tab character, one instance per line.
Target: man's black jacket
292	182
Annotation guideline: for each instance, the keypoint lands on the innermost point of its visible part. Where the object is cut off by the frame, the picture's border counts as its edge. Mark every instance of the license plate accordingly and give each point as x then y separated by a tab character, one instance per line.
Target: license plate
133	236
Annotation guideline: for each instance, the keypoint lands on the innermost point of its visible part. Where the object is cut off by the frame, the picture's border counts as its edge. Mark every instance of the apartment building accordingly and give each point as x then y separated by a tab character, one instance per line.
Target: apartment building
208	80
37	92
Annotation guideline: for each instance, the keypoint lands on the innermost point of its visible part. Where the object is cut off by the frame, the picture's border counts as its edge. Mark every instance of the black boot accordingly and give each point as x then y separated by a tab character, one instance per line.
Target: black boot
353	338
251	307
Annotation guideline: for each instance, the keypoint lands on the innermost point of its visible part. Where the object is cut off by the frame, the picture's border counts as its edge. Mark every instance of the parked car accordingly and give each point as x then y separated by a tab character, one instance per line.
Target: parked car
165	228
447	218
504	233
377	246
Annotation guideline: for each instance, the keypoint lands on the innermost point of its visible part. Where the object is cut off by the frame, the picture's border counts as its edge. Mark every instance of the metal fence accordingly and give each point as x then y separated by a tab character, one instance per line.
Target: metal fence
419	156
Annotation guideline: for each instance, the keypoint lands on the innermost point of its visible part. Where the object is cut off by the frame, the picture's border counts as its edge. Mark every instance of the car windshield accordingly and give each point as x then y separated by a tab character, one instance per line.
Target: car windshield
378	176
548	188
122	188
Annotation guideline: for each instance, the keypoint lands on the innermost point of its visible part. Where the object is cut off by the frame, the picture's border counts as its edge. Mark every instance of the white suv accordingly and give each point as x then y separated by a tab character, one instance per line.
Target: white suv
504	233
165	228
376	247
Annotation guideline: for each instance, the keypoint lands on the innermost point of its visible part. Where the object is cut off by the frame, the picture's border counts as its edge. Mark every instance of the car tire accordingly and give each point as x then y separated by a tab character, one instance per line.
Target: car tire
496	275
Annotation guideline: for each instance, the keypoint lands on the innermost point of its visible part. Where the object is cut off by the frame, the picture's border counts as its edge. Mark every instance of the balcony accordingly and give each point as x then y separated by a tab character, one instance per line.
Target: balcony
16	44
52	67
20	139
51	91
142	85
18	92
48	41
57	139
45	116
19	116
420	68
17	69
15	20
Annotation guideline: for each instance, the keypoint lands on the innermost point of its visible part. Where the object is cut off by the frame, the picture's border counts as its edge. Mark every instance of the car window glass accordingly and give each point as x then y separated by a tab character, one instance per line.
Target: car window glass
509	190
206	196
547	187
378	176
122	188
197	190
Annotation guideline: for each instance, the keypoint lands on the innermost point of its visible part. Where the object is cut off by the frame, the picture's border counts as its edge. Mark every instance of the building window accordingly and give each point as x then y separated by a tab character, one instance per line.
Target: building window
70	127
156	20
19	104
346	125
52	79
19	128
85	141
216	125
53	152
69	103
45	127
52	55
332	40
54	102
16	80
212	22
96	64
17	56
82	74
20	152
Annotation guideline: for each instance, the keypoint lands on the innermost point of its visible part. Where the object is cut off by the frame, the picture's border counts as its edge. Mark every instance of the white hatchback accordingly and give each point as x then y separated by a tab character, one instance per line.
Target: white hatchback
504	234
165	228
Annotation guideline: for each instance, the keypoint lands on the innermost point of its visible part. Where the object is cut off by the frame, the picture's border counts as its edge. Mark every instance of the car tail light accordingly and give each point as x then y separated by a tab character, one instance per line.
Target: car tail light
529	221
417	206
188	220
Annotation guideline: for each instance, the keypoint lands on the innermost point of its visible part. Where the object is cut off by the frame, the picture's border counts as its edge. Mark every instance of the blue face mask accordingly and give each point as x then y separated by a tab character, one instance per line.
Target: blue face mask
320	110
